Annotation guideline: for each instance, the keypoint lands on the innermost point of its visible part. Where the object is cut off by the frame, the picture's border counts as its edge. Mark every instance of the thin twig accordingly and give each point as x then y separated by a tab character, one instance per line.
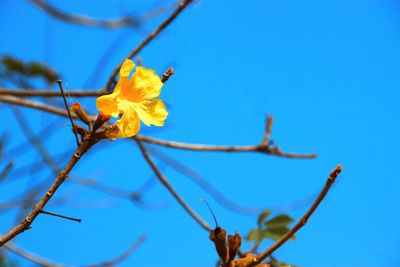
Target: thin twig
167	185
49	93
35	141
6	170
268	129
38	166
275	151
10	204
69	113
331	179
134	196
37	105
47	263
203	183
87	21
123	256
182	5
45	133
32	257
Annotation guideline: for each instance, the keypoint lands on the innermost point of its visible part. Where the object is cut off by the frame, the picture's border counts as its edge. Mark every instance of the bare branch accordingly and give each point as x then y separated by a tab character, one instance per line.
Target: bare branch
275	151
331	179
134	196
35	141
165	182
182	5
47	263
123	256
6	170
203	183
69	113
49	92
32	257
25	224
36	105
85	20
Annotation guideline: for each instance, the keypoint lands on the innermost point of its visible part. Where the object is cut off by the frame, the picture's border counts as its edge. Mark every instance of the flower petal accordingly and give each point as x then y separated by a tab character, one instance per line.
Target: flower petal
129	124
108	104
126	68
144	85
152	112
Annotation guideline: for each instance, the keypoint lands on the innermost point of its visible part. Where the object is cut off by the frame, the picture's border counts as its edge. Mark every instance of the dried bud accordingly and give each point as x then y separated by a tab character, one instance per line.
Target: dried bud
248	260
112	132
218	236
167	74
100	120
78	110
235	241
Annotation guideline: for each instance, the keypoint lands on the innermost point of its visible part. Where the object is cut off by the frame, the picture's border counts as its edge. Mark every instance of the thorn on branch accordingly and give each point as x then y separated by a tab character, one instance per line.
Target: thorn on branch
60	216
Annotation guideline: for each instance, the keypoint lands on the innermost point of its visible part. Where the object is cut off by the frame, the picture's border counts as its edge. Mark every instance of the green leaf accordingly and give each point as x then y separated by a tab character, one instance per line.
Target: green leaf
275	262
276	232
12	64
28	69
36	69
281	220
2	260
256	235
263	215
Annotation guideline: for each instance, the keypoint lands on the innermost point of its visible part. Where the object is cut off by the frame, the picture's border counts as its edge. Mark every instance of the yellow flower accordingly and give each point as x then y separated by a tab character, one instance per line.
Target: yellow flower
135	98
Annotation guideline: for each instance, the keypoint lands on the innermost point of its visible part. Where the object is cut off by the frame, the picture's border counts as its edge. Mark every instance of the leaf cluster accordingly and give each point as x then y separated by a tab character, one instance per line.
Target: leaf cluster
269	228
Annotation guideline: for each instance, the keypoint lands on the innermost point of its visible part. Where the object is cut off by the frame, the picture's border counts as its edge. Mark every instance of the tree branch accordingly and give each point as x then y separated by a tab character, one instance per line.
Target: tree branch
49	93
205	185
123	256
275	151
25	224
126	21
167	185
182	5
331	179
47	263
32	257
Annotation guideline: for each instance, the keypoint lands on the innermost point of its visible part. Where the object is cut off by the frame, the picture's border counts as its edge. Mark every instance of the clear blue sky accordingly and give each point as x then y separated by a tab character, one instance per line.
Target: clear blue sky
327	70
